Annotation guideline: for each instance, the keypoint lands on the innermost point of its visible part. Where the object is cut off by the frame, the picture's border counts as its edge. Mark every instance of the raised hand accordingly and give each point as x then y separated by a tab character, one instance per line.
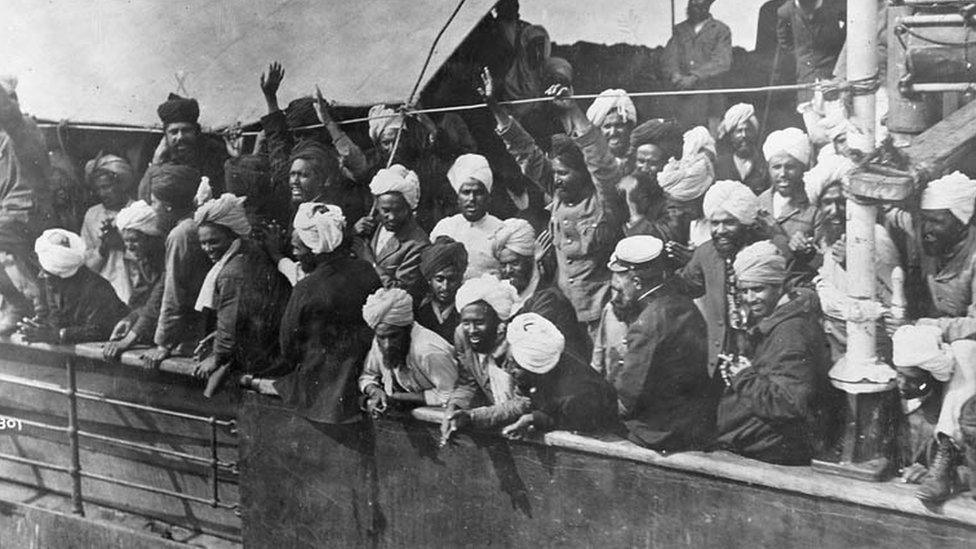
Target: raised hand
322	108
561	94
271	83
487	88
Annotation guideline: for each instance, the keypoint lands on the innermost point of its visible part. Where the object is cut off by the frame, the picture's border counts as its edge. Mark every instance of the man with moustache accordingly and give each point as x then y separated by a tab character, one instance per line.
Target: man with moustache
743	161
664	395
614	114
733	211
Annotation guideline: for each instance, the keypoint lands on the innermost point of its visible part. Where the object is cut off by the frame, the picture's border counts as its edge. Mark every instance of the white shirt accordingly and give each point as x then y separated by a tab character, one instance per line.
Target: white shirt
477	240
111	268
430	368
382	238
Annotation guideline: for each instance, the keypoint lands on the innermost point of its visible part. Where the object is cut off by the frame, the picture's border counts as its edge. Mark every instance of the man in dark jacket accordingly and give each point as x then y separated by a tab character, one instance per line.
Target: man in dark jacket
777	395
664	395
744	160
813	32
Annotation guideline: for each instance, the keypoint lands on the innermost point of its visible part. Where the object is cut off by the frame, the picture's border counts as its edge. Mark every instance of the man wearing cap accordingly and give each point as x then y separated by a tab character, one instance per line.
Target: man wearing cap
777	404
920	356
394	247
75	304
698	56
406	361
472	180
180	326
184	144
563	393
442	265
743	159
26	206
485	393
733	212
664	395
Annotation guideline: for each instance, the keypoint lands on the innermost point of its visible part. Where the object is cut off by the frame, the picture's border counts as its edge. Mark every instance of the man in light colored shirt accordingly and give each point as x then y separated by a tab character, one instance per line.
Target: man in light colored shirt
112	178
406	362
472	180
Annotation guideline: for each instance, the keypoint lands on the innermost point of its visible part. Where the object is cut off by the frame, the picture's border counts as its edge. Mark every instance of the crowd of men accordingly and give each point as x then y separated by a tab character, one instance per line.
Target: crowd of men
682	287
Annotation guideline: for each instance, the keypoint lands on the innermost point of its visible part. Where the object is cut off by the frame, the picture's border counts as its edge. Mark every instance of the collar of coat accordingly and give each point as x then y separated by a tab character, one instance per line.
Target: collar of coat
801	302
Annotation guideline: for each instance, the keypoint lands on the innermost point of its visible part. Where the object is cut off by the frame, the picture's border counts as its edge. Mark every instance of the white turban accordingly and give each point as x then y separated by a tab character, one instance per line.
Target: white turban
954	192
397	179
60	252
761	263
500	295
8	83
688	178
829	169
612	101
381	118
319	226
226	211
922	347
138	216
390	306
736	115
791	141
516	235
468	167
536	344
733	197
697	140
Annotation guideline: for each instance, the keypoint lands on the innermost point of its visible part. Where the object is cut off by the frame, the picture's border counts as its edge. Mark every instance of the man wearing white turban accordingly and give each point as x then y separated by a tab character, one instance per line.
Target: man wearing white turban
614	113
112	179
743	160
563	393
920	355
406	361
788	154
776	390
394	247
486	304
472	180
732	211
145	258
74	303
685	182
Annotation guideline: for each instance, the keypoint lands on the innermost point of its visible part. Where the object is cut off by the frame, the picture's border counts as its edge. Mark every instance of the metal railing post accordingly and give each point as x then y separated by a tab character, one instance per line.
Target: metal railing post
72	392
214	463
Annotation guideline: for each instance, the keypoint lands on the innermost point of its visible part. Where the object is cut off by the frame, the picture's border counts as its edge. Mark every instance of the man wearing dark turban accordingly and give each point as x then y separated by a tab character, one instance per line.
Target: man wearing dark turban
184	144
654	142
25	207
442	264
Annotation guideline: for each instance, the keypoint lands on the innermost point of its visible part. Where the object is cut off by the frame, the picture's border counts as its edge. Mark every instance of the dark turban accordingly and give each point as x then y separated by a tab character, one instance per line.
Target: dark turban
248	175
658	131
300	112
565	149
178	109
443	253
174	183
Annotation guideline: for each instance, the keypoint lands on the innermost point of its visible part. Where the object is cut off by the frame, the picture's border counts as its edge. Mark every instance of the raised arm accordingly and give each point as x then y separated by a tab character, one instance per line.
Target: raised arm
351	157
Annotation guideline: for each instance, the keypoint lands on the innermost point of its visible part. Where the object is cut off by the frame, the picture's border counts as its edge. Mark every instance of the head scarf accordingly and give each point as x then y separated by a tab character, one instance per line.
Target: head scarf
733	197
60	252
226	211
612	101
319	226
736	115
536	344
760	263
791	141
397	179
443	253
388	306
697	140
178	109
174	183
658	131
109	163
688	178
954	192
829	170
381	118
498	294
468	167
249	175
138	216
8	83
516	235
922	347
565	149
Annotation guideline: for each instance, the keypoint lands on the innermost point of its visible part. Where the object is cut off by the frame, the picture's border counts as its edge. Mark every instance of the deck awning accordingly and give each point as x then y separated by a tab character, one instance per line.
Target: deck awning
114	61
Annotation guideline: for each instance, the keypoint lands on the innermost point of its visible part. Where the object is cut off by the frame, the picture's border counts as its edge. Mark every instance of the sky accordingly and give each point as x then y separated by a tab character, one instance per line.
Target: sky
643	22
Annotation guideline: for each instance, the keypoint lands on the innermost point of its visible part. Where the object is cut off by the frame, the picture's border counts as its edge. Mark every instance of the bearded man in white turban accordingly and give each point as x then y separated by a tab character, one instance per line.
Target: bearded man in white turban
744	160
407	362
614	113
390	239
472	180
75	304
776	389
732	211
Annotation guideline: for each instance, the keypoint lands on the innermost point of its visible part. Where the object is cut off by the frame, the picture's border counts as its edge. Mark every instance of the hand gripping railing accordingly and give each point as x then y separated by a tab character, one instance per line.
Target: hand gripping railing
75	433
